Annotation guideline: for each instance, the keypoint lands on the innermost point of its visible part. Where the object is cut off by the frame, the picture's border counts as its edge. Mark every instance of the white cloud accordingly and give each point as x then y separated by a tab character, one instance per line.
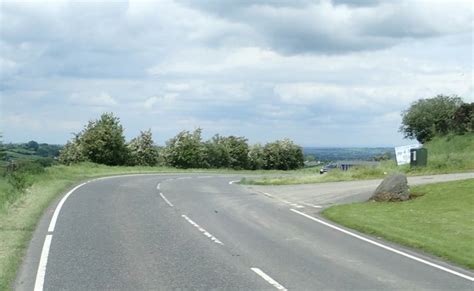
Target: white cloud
101	100
265	71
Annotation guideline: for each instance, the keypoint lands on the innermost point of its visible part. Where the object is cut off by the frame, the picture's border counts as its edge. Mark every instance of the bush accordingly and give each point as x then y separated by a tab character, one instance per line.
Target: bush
142	151
18	173
72	152
101	141
256	159
216	153
185	150
282	155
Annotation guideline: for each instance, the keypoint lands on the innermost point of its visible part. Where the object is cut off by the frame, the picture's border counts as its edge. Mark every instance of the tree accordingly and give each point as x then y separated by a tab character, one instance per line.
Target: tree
185	150
103	141
282	155
33	145
142	151
463	119
429	117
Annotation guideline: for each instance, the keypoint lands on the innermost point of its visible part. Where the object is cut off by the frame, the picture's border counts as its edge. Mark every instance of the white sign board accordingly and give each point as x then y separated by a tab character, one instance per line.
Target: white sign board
403	153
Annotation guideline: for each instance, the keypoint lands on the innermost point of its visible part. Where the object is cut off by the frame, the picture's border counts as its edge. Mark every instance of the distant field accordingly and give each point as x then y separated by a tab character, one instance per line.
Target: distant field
440	222
326	154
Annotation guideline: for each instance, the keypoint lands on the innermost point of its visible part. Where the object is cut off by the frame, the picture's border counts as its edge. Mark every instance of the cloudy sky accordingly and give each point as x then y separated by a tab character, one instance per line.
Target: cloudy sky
323	73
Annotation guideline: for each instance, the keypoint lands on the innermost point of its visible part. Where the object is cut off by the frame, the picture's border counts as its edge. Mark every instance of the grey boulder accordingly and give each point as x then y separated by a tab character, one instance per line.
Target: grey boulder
392	188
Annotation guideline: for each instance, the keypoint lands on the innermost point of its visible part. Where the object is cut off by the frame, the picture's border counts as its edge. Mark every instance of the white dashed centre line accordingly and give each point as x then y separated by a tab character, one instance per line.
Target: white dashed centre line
210	236
311	205
268	279
166	200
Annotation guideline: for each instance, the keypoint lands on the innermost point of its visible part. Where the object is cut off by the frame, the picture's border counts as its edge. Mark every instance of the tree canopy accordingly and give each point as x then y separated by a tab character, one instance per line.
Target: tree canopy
102	141
426	118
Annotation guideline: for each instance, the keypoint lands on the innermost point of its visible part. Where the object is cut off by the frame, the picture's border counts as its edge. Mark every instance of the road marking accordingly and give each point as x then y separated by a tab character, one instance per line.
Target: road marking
166	200
291	203
39	282
282	200
52	224
158	186
210	236
268	279
232	182
386	247
311	205
267	194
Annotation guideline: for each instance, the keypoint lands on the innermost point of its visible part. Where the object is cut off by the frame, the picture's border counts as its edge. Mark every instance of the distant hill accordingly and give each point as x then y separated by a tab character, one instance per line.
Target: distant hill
31	151
326	154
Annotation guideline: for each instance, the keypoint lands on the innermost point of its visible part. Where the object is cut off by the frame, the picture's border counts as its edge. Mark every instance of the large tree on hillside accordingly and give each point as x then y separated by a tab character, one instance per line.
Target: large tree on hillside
429	117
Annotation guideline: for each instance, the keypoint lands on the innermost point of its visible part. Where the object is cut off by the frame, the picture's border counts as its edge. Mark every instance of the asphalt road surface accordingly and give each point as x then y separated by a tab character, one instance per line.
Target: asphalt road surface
203	232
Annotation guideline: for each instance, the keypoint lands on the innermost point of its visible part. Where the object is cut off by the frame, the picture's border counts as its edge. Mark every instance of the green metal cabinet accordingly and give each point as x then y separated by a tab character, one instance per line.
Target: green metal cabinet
418	157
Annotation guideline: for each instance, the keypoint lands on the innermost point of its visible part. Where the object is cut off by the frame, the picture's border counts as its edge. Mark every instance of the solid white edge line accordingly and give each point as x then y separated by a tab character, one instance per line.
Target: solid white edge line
232	182
386	247
166	200
54	219
268	279
39	282
205	232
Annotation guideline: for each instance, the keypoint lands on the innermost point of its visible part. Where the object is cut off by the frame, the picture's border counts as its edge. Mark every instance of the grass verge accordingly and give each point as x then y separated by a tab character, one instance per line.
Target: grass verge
439	221
20	211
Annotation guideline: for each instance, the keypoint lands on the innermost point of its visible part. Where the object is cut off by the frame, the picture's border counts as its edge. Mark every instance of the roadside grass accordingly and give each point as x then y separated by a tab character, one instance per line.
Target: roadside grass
439	221
20	211
310	176
448	154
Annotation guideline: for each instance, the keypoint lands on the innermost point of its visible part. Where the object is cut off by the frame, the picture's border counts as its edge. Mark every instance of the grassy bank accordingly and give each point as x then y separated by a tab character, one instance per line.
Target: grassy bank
449	154
439	222
21	210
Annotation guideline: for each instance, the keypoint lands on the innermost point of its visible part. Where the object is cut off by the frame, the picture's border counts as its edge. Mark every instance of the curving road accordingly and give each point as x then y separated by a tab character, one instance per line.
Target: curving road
202	232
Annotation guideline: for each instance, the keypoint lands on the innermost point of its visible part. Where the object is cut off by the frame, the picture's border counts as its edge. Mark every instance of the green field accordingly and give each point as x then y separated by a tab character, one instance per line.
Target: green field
449	154
440	221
